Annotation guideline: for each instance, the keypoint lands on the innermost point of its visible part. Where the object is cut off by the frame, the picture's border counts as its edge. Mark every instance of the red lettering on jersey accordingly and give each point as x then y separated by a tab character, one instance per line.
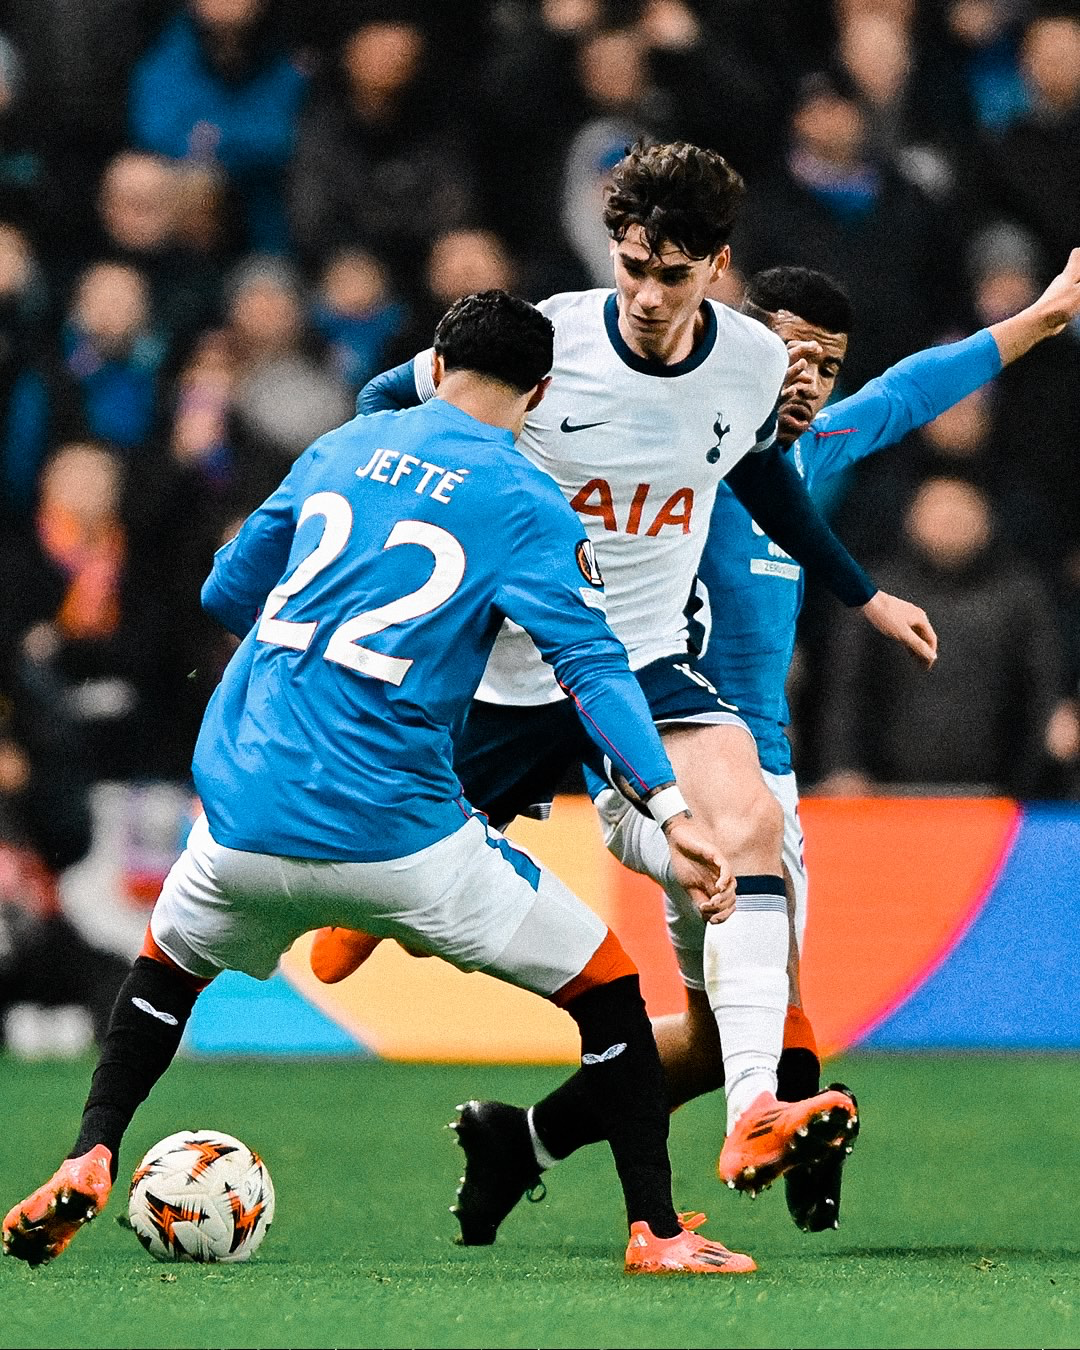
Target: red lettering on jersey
633	521
595	499
668	515
604	506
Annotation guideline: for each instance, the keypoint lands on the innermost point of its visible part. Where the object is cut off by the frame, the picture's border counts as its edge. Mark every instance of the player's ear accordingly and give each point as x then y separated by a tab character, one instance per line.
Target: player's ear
721	262
538	393
438	369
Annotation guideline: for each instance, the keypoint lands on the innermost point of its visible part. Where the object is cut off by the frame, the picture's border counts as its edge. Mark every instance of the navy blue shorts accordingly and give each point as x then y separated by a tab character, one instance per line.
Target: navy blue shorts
676	691
512	760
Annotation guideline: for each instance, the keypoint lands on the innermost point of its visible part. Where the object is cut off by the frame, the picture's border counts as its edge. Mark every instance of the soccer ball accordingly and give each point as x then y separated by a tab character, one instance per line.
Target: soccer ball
201	1196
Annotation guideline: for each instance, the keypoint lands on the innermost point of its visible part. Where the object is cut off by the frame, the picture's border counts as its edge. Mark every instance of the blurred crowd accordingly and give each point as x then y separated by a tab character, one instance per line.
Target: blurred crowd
219	218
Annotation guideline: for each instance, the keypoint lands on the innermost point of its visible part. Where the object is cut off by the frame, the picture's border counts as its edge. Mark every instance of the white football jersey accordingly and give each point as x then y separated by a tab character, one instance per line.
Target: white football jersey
637	448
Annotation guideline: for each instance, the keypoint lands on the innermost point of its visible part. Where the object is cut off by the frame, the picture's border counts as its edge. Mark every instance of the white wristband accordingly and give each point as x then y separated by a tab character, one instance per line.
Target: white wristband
666	803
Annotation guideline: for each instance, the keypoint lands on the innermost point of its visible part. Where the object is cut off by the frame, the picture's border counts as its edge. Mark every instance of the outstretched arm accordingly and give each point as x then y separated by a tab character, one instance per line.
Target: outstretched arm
543	591
250	565
904	397
920	387
769	486
1058	305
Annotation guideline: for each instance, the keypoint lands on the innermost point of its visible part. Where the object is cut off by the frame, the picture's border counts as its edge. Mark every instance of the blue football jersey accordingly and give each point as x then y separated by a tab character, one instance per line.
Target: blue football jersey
750	591
369	589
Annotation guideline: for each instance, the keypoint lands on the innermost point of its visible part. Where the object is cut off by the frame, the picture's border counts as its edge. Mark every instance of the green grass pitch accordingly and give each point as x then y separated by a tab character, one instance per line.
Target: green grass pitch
961	1224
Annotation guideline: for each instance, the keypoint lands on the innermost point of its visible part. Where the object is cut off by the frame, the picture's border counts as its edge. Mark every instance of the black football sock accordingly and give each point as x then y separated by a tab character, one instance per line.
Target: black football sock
145	1029
618	1095
798	1075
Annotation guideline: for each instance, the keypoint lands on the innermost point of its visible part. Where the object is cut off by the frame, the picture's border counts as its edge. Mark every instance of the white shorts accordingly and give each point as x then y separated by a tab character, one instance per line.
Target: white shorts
785	789
706	719
472	898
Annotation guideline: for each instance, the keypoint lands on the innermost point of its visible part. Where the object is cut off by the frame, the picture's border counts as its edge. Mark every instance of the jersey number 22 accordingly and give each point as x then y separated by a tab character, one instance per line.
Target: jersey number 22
343	646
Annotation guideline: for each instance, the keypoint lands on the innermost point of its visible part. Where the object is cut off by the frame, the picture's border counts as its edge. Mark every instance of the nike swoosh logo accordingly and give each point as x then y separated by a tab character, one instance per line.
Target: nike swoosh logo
567	425
605	1055
145	1007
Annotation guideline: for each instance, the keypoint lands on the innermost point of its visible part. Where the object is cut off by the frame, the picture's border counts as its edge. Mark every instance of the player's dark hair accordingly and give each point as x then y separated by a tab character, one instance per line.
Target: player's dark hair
678	193
498	335
813	296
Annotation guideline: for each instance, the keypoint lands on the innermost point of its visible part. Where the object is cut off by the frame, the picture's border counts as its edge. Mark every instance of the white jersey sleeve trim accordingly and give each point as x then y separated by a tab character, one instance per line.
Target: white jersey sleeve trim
422	376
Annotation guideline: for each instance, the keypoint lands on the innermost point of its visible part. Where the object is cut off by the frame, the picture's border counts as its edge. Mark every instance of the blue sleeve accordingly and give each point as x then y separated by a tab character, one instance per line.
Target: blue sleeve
906	396
549	594
392	390
249	566
769	486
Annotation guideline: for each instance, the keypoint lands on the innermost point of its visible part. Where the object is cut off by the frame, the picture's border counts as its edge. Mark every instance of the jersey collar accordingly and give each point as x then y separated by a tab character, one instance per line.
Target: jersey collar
648	365
467	422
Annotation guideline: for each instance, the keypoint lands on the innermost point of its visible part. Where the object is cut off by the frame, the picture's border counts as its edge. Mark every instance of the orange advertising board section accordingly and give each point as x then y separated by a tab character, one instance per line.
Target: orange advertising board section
406	1008
894	885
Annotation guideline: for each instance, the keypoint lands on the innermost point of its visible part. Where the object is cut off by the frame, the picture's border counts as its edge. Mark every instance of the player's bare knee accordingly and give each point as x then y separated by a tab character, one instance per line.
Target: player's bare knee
753	836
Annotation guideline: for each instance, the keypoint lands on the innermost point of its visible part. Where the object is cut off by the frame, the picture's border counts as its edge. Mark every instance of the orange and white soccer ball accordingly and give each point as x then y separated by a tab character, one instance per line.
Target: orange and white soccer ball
201	1195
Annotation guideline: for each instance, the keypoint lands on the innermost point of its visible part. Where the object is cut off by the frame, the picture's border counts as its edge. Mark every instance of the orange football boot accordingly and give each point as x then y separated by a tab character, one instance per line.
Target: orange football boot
337	952
685	1254
771	1137
39	1229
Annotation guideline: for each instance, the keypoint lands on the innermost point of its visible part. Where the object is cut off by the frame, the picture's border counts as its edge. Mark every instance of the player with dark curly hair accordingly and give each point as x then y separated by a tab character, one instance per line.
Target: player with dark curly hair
658	394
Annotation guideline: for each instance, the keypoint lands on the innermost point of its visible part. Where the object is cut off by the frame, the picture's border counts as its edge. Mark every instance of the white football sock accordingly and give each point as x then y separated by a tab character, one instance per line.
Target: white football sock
745	957
747	984
544	1159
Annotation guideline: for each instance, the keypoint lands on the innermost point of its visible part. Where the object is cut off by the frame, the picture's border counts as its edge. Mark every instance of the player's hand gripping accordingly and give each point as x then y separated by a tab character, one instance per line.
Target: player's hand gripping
903	622
701	869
